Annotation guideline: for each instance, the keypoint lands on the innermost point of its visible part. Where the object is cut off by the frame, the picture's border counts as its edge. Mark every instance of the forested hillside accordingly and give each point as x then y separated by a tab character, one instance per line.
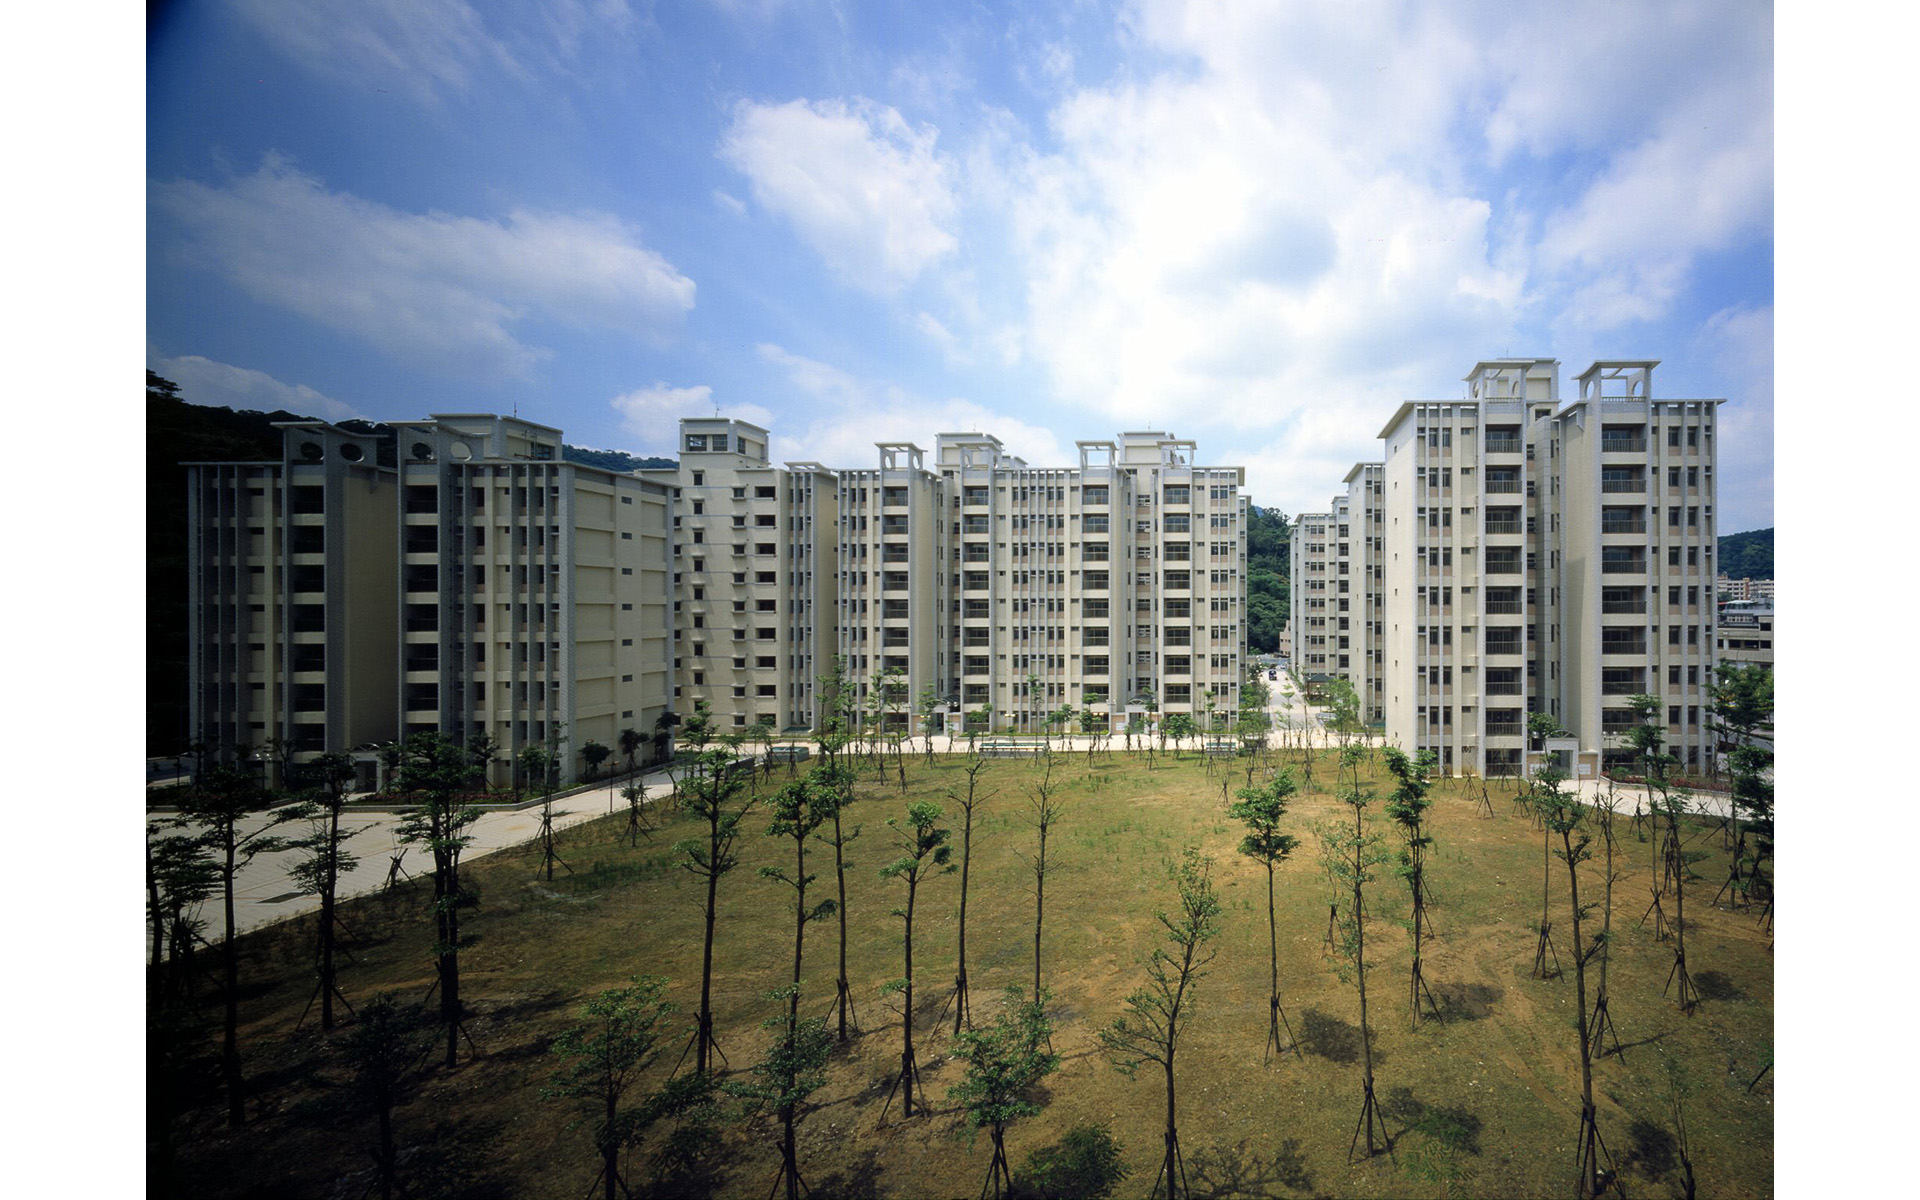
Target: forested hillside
1268	557
1747	555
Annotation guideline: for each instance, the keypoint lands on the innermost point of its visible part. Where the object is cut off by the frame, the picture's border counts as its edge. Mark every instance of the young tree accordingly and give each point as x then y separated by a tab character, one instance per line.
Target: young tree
711	796
219	810
1647	740
640	820
1004	1061
924	851
1262	810
962	1012
1601	1025
1044	809
837	716
927	705
601	1061
323	859
1350	855
630	742
439	771
1540	727
1179	726
799	809
1565	818
1149	1031
181	876
382	1053
791	1071
1408	807
1675	804
485	749
1343	710
1742	704
594	755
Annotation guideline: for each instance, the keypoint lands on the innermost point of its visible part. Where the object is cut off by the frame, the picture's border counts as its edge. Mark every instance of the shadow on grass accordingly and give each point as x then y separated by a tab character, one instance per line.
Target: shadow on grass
1333	1039
859	1180
1650	1150
1236	1171
1468	1001
1714	985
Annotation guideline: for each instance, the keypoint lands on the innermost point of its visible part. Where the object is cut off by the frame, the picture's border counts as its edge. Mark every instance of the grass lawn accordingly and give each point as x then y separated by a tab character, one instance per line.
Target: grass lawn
1482	1103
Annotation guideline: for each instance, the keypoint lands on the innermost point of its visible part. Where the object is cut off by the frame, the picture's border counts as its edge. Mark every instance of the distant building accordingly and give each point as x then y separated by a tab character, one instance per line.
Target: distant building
1745	635
1743	590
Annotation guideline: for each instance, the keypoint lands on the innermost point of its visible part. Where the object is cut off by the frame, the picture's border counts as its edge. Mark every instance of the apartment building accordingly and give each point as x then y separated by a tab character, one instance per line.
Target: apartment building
1360	607
534	600
754	581
1537	558
1745	636
455	576
1118	585
292	593
1312	584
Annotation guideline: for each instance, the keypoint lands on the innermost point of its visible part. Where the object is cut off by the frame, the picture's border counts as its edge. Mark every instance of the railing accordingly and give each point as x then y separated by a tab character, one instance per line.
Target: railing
1503	445
1503	487
1637	646
1503	527
1505	608
1622	566
1631	445
1639	526
1635	484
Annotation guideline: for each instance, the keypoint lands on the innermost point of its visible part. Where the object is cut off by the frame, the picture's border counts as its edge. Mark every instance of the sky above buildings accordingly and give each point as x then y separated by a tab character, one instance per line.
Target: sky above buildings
1258	226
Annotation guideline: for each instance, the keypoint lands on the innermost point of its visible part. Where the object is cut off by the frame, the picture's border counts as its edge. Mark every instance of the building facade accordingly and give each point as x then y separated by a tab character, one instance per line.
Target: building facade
1533	557
458	575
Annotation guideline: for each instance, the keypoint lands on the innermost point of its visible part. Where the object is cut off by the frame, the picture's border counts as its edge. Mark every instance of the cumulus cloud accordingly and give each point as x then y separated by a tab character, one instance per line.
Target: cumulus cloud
848	414
447	293
859	184
223	385
652	414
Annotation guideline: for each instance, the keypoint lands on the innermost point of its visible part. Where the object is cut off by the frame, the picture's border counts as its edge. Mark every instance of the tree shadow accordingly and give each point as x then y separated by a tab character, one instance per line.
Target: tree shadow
1333	1039
1468	1001
1454	1127
1220	1171
1651	1149
1714	985
859	1180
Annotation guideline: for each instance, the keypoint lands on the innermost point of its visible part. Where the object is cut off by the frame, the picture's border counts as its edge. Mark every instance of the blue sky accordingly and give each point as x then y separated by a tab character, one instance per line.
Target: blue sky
1260	226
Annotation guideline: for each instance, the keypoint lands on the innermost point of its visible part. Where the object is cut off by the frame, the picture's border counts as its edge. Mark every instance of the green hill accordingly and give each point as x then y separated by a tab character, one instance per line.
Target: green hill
1747	555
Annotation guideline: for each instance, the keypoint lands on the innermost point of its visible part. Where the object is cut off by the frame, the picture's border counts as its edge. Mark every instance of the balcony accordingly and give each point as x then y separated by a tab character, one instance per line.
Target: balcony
1623	445
1624	526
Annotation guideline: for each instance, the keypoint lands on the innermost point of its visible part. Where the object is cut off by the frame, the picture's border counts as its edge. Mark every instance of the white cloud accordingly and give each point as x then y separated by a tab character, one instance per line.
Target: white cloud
434	50
444	292
848	415
652	414
223	385
424	48
861	186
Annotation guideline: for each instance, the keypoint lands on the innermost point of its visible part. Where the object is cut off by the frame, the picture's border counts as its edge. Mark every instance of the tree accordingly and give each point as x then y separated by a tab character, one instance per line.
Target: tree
601	1060
791	1071
1343	709
639	814
962	1014
924	851
1179	726
1262	809
181	876
1149	1030
630	741
1044	810
799	809
594	754
1408	806
928	706
1742	704
1004	1062
1565	817
1086	1164
837	709
382	1053
436	769
318	871
1540	727
219	810
1350	855
485	749
711	796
